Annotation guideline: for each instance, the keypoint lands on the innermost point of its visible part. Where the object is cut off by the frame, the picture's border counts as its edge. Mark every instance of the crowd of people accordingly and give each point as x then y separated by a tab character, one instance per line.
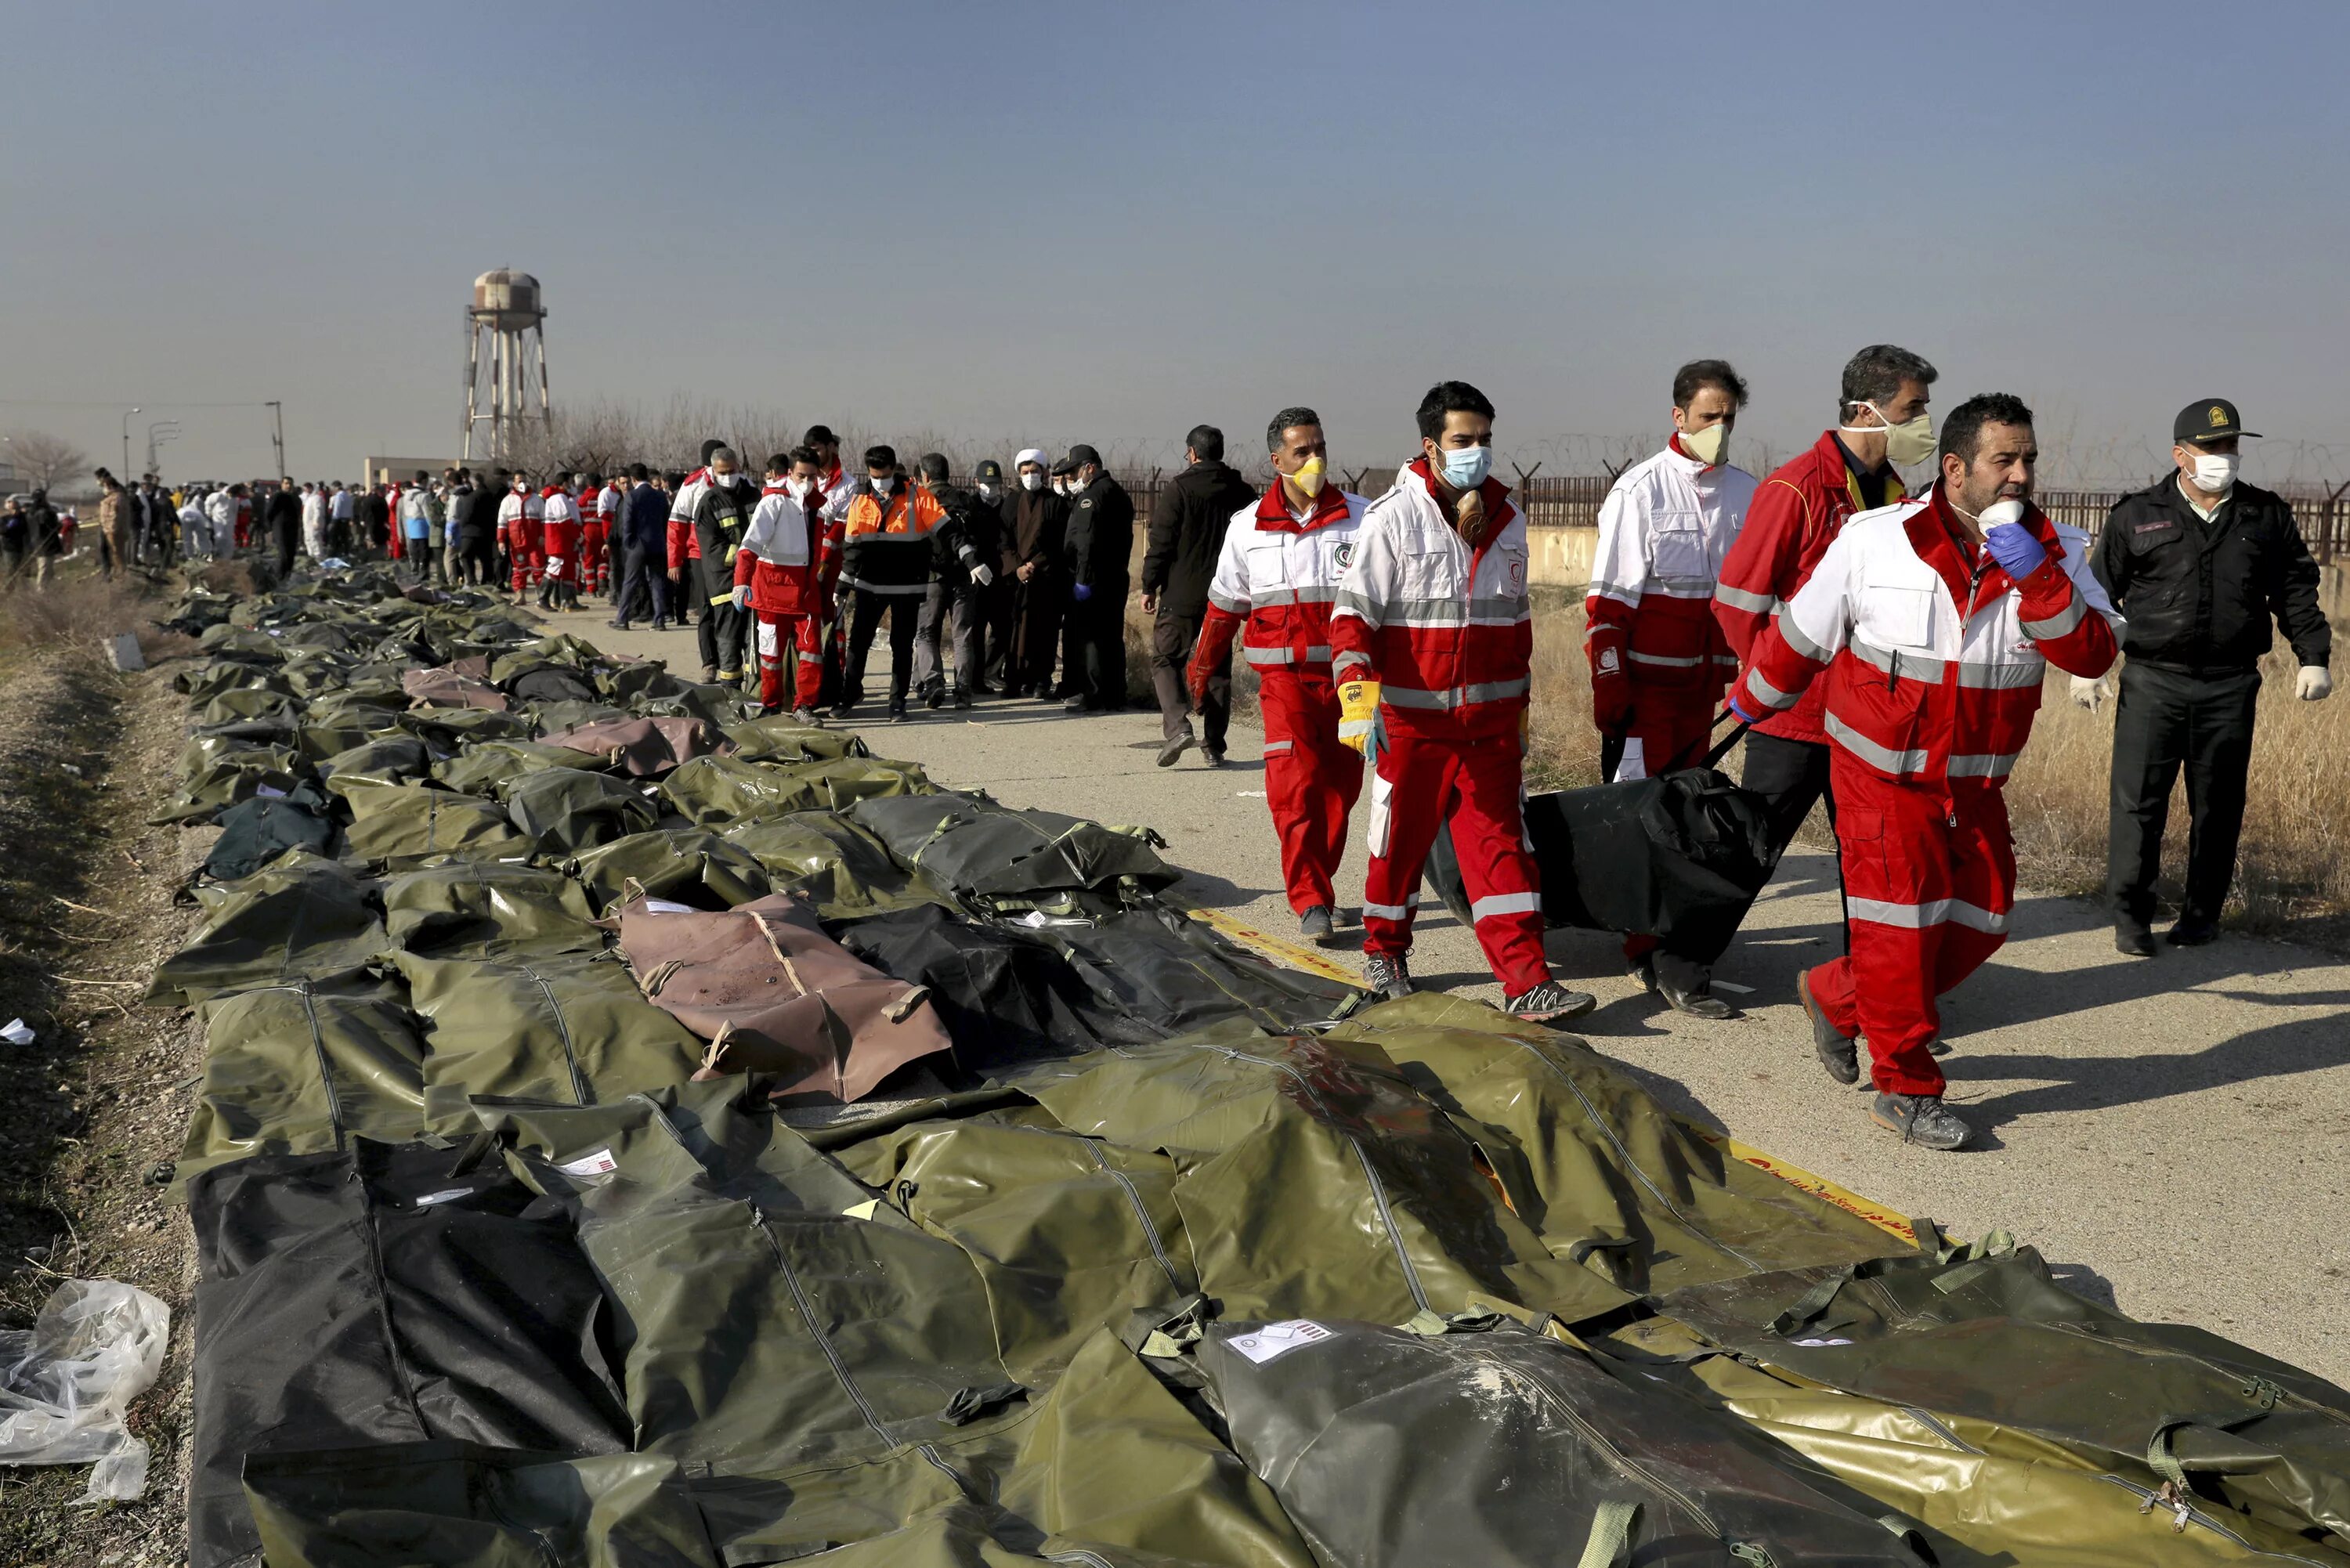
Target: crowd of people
1883	652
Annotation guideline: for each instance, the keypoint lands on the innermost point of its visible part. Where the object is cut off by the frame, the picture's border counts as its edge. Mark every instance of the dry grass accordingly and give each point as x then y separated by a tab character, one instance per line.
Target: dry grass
82	613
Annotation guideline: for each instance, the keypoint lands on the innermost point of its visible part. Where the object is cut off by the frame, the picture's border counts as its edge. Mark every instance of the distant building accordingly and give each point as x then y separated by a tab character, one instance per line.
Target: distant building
401	469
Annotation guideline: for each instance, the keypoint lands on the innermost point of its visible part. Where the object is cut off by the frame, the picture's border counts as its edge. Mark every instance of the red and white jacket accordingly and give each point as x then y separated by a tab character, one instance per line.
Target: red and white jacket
608	507
788	553
1663	532
1276	580
1444	629
518	515
1794	517
684	543
1934	660
561	514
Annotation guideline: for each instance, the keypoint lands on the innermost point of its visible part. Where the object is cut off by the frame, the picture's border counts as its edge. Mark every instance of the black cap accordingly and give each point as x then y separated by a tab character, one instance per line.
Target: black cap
1080	455
1066	466
2211	418
988	469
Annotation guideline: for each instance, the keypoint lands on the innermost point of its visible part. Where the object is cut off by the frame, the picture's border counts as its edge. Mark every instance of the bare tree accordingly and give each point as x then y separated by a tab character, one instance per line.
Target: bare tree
44	459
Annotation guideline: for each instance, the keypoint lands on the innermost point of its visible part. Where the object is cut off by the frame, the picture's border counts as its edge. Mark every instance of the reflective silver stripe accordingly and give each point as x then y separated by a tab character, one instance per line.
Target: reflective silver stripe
1972	674
1934	912
2066	619
1869	750
1456	612
1739	598
1917	665
1350	602
1801	644
1772	696
811	659
1982	765
1664	659
2003	677
1348	660
1391	911
1270	655
1454	697
1273	746
1504	904
1611	591
1327	594
1229	605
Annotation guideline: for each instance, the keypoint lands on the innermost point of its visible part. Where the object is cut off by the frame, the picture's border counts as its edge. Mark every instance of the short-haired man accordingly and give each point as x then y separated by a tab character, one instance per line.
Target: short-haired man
342	517
640	537
964	555
1933	622
1181	554
1796	513
1099	548
777	580
1277	578
722	516
558	512
284	516
886	570
1433	638
1658	661
595	528
522	529
1036	516
416	528
314	523
685	547
114	508
2202	565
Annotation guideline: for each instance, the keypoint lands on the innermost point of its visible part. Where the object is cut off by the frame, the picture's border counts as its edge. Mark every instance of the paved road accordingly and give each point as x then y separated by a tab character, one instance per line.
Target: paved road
2171	1134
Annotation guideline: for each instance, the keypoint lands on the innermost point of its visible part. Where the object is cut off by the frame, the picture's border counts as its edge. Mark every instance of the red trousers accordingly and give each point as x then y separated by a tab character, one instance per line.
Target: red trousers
592	557
561	545
1930	901
796	639
526	547
1478	783
1311	780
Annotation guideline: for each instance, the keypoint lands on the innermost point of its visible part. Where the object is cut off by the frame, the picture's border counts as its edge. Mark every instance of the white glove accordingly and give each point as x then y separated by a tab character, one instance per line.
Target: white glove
984	576
742	596
2315	685
2089	691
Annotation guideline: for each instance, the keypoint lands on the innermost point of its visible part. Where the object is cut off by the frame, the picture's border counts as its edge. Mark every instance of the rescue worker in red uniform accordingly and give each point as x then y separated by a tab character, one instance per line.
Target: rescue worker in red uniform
1659	662
779	574
1796	515
559	567
521	517
1934	623
595	528
1276	579
1433	641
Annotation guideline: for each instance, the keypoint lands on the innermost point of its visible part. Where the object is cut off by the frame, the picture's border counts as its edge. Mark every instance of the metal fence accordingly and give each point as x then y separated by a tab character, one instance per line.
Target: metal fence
1572	501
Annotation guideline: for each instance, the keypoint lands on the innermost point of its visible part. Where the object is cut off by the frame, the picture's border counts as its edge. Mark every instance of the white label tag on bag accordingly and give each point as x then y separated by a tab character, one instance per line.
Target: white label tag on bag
430	1199
600	1163
1278	1339
668	906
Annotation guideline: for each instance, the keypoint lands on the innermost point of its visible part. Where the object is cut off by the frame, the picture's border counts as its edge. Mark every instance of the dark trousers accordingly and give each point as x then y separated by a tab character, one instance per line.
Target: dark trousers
999	611
644	589
1792	776
282	539
2166	719
1035	634
1092	654
720	635
905	612
477	558
1173	634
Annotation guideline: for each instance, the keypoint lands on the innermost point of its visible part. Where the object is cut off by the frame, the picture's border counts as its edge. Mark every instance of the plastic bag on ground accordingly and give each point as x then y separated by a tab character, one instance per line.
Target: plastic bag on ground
65	1383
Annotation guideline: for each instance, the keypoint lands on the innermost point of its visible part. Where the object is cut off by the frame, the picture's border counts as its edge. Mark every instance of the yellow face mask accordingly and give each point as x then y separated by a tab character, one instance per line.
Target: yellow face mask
1706	445
1309	475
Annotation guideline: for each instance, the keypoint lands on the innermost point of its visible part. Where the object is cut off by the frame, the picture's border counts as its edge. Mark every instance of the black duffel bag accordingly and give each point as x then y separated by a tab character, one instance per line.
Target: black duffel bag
1678	858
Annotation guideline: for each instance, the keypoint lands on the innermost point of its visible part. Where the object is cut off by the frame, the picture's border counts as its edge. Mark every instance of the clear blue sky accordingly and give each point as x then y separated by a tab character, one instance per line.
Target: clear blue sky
1088	222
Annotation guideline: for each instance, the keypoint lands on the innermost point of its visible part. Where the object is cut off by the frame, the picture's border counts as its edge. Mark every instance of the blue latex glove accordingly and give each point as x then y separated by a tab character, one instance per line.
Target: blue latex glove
1082	593
1738	709
2015	549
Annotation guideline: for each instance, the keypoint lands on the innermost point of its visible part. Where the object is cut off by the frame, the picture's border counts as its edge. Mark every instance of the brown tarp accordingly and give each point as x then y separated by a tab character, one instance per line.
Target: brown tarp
640	748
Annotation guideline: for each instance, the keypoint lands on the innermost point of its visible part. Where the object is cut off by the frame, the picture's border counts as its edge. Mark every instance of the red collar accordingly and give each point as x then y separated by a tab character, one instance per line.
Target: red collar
551	492
1273	516
1934	530
1830	452
1494	491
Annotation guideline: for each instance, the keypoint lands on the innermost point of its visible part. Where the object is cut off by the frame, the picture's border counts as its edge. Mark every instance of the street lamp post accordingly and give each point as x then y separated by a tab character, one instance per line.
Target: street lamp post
125	440
278	410
159	433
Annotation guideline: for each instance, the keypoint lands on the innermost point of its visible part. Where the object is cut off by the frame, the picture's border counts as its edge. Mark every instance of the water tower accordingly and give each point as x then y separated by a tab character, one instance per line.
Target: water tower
506	352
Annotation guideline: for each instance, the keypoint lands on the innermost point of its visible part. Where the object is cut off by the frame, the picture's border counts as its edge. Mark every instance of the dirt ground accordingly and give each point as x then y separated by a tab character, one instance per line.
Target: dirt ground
92	1113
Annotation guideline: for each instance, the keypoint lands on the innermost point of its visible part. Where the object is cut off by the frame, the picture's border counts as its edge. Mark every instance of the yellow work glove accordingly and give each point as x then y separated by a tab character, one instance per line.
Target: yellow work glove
1358	707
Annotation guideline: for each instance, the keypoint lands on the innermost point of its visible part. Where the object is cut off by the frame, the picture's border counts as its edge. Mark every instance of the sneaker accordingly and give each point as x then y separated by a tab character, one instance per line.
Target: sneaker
1315	925
2192	933
1387	977
2135	940
1833	1047
1211	759
935	698
1921	1119
1549	1003
1175	747
807	716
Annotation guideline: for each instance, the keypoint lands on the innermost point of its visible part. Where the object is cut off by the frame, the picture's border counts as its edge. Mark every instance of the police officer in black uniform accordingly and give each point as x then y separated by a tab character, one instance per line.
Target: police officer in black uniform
2199	566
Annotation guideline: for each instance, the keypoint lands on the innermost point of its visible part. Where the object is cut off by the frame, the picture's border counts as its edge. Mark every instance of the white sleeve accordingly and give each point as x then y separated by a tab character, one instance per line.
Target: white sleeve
1228	590
1817	622
2075	545
1620	562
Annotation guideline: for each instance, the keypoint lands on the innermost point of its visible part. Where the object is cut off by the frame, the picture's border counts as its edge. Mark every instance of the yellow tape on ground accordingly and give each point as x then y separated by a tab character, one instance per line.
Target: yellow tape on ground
1273	947
1891	1222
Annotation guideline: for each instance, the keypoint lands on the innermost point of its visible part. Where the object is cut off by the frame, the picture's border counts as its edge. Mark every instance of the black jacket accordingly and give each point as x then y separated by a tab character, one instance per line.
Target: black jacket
2201	595
285	511
1034	521
970	536
1187	532
1100	543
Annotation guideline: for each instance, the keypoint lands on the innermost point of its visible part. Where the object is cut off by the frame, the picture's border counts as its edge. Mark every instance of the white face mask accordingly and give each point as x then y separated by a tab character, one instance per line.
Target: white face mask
882	486
2215	471
797	489
1998	514
989	490
729	480
1910	442
1032	482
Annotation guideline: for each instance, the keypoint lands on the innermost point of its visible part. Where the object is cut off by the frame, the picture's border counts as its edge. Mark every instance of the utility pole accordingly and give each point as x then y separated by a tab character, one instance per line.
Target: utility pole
278	409
125	440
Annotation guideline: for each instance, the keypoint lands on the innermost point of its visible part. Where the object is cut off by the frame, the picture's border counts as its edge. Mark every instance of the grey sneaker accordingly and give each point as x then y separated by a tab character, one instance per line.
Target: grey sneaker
1921	1119
807	716
1549	1003
1316	924
1832	1046
1175	747
1387	977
